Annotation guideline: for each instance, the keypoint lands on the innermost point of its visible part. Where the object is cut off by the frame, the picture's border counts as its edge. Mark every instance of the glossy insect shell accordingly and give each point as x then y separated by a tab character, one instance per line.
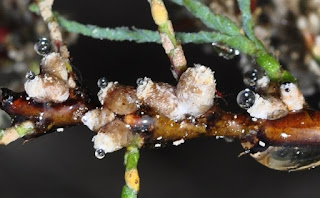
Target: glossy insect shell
289	158
289	143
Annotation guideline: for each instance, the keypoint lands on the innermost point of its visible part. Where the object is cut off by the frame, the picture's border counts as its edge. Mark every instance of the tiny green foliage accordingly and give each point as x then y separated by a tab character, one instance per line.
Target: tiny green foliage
23	130
128	192
273	68
226	33
215	21
247	22
33	7
131	157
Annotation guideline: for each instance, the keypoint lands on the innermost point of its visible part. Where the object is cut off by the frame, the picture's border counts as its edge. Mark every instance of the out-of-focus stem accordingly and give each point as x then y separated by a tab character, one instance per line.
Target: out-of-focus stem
265	60
171	46
15	132
247	23
45	10
214	21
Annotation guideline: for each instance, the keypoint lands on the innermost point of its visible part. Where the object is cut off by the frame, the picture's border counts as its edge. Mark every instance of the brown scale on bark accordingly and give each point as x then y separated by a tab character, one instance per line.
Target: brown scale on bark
46	116
295	129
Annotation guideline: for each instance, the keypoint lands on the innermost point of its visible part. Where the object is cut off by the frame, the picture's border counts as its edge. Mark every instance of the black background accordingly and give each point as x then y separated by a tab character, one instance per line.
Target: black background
63	164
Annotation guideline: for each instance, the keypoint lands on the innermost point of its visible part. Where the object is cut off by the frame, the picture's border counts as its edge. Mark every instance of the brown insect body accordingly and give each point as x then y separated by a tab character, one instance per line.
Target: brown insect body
289	143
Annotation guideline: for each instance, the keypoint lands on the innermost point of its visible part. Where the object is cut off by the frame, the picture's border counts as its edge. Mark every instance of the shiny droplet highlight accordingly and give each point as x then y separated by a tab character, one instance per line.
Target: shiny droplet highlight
30	75
139	81
144	124
225	51
102	82
251	77
43	46
246	98
100	154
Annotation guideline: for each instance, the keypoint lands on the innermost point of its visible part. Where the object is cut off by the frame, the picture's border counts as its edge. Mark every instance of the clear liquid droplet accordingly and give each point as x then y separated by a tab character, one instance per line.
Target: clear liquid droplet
100	154
30	75
43	46
246	98
251	77
139	81
225	51
102	82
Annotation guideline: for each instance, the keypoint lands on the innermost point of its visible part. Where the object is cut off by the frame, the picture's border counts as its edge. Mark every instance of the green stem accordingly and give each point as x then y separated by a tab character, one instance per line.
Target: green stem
171	46
215	21
131	158
239	42
265	60
273	68
15	132
247	23
45	10
112	34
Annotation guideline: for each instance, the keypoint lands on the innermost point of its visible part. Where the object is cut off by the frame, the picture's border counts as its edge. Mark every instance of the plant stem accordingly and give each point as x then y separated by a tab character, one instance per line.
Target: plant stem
215	21
239	42
15	132
265	60
250	46
148	36
131	158
273	68
45	10
171	46
247	23
224	25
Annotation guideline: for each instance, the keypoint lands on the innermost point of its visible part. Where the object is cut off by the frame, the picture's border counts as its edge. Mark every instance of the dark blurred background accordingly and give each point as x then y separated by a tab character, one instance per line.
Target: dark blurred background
63	164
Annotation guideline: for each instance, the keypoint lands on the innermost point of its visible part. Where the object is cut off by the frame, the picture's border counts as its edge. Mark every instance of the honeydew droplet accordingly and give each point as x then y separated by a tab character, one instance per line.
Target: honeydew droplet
43	46
102	82
139	81
251	77
100	154
144	124
246	98
225	51
30	75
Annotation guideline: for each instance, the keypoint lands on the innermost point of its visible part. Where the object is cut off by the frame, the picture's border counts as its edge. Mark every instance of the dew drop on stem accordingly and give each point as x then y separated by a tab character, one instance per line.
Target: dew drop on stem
246	98
102	82
30	75
139	81
100	154
225	51
43	46
251	77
